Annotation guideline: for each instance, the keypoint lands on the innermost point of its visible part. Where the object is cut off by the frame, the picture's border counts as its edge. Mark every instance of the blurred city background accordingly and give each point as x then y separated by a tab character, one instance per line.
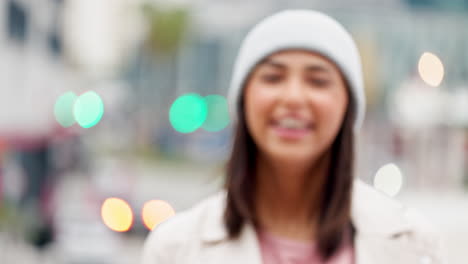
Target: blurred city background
113	115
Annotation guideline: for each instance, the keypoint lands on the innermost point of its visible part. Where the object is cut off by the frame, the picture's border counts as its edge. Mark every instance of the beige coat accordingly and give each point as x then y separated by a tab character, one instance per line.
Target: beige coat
387	233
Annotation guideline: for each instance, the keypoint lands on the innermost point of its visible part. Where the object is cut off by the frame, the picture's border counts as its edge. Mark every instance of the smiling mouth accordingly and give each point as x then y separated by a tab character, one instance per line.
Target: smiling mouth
292	128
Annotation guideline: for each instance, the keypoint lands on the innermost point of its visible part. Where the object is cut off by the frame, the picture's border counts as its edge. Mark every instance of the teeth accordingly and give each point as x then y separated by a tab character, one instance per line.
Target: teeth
292	123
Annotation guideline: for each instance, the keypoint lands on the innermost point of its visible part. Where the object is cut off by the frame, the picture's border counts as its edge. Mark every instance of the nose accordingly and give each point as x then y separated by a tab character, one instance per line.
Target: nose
293	92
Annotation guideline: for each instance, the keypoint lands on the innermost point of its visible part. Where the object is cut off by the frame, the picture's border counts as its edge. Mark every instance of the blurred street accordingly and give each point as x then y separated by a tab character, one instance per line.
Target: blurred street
82	237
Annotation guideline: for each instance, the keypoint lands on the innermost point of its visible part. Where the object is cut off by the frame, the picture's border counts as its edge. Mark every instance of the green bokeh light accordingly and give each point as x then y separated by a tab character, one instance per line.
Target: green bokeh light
88	109
218	113
63	109
187	113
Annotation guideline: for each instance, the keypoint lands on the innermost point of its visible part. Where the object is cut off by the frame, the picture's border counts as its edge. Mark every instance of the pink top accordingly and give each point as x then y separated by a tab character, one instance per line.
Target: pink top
278	250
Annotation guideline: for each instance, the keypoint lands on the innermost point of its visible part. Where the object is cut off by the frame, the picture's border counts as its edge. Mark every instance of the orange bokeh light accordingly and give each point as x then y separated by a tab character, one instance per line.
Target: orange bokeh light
156	211
117	214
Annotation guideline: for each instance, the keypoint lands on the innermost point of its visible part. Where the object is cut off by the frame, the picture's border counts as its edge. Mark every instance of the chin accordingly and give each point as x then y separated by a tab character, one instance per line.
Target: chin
293	155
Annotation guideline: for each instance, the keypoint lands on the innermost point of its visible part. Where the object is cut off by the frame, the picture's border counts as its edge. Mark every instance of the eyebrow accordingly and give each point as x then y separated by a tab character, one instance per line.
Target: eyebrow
317	68
309	68
273	63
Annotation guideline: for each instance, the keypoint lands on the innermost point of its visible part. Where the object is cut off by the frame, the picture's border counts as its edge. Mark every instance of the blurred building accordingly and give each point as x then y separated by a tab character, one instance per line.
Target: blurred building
32	72
56	46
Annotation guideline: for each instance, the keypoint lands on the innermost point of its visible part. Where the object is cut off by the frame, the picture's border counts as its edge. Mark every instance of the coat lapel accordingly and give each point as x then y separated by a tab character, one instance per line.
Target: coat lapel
217	248
372	250
381	230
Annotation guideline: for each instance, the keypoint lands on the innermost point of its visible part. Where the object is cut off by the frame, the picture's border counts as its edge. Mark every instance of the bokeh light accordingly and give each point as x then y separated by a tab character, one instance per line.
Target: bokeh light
218	114
88	109
389	179
117	214
155	212
431	69
187	113
63	109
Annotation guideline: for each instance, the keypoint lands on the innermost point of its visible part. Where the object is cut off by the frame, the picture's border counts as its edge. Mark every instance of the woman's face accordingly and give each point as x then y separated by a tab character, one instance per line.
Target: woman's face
295	102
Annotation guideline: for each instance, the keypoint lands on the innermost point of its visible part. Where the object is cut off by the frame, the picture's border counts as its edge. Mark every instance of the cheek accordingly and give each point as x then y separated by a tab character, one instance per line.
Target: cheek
258	104
330	111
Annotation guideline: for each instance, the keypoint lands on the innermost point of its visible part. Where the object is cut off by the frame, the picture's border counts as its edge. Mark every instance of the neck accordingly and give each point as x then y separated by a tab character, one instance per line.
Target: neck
288	196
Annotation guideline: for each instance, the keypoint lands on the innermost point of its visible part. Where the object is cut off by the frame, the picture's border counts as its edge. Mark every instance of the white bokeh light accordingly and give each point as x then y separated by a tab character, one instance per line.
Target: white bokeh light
388	179
431	69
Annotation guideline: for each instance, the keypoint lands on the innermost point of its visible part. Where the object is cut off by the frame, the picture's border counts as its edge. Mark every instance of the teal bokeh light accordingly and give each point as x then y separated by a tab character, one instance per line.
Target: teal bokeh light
218	113
63	109
188	112
88	109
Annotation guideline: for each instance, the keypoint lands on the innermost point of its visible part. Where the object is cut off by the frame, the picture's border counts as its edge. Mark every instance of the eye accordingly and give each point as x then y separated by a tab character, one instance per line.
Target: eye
318	82
271	78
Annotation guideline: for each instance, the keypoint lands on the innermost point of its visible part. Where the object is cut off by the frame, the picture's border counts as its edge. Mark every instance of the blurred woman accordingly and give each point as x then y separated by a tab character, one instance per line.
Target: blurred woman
297	98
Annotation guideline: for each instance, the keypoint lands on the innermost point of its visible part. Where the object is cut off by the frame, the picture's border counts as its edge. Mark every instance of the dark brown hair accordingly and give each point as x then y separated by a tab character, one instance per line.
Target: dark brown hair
335	213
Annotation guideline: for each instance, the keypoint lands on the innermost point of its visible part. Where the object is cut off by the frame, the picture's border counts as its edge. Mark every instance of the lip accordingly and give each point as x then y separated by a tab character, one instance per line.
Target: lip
291	134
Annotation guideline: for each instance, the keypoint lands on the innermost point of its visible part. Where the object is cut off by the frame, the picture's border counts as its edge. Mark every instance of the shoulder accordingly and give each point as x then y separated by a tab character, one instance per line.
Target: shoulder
181	232
424	233
375	213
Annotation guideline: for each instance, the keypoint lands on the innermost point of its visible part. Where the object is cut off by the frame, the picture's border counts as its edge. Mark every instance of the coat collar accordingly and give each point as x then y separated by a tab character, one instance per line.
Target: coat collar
372	214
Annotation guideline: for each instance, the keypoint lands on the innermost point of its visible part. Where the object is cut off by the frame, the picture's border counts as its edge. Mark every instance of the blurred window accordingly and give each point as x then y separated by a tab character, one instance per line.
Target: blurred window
54	43
17	21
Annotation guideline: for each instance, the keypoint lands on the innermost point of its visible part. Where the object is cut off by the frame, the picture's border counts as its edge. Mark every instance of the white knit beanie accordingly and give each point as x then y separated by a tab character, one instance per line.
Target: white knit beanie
299	29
